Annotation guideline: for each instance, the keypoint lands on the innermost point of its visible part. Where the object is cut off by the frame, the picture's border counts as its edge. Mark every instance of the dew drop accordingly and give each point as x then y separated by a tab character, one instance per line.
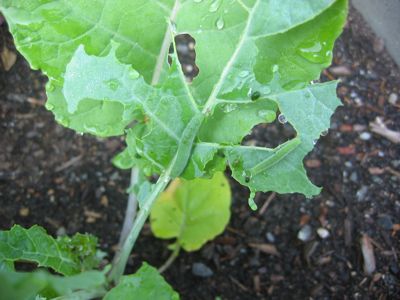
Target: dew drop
315	142
324	133
227	108
215	6
49	106
220	23
255	95
173	27
314	52
50	87
244	73
113	84
133	74
282	119
267	90
251	202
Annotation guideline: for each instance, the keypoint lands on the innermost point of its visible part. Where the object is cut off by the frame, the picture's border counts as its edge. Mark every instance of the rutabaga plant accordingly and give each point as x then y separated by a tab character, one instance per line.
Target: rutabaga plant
108	76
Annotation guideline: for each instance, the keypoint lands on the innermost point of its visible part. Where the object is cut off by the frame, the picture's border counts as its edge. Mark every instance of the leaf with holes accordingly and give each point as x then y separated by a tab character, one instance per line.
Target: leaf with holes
109	74
193	211
66	256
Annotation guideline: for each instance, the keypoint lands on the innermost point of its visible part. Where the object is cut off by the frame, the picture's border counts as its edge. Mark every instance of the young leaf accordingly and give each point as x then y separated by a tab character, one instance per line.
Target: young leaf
22	286
66	256
107	70
145	284
193	212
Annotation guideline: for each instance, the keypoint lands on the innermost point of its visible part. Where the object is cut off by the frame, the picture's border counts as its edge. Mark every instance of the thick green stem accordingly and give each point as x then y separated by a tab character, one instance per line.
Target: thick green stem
121	258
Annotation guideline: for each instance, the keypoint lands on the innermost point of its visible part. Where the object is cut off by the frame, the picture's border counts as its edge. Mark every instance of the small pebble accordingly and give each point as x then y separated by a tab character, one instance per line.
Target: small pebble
365	136
270	237
24	212
354	177
201	270
362	193
396	163
305	233
393	98
348	164
323	233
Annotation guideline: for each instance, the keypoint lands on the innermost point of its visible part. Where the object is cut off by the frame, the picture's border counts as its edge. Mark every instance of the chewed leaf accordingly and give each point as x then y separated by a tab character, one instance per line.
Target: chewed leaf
109	76
192	211
66	256
145	284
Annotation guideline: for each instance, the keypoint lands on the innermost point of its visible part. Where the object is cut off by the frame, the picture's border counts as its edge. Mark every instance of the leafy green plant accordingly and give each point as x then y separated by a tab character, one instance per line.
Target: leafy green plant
109	75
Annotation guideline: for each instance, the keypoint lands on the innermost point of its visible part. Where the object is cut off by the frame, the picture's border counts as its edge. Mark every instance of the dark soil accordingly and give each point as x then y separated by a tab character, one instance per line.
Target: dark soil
65	182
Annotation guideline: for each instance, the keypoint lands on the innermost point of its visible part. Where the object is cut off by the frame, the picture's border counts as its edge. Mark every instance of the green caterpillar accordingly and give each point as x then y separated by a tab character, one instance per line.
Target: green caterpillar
276	157
185	146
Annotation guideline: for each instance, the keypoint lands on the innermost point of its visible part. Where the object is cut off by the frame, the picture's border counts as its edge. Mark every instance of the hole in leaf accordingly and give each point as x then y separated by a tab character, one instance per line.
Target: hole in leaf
270	135
185	46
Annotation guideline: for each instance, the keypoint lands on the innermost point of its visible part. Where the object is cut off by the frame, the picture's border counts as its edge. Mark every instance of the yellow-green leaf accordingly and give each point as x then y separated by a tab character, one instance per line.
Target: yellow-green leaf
193	212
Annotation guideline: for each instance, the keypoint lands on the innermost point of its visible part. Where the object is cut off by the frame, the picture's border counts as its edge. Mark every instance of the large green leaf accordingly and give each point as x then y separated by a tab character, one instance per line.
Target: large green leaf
29	286
108	70
193	212
65	255
145	284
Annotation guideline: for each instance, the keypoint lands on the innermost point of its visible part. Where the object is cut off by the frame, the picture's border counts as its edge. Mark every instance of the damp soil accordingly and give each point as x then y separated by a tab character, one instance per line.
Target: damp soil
65	182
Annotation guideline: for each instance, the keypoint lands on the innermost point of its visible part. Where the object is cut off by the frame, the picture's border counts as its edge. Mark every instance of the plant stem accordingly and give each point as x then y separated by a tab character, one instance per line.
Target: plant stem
131	208
121	258
170	260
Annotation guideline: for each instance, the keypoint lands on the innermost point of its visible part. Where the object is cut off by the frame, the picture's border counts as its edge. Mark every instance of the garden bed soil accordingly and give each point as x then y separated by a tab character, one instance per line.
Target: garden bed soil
51	176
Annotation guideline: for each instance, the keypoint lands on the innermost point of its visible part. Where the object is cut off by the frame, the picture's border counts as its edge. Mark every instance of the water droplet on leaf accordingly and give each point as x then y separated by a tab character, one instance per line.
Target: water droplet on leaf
282	119
267	90
113	84
244	73
220	23
50	87
324	133
173	27
267	115
314	51
215	6
49	106
133	74
227	108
